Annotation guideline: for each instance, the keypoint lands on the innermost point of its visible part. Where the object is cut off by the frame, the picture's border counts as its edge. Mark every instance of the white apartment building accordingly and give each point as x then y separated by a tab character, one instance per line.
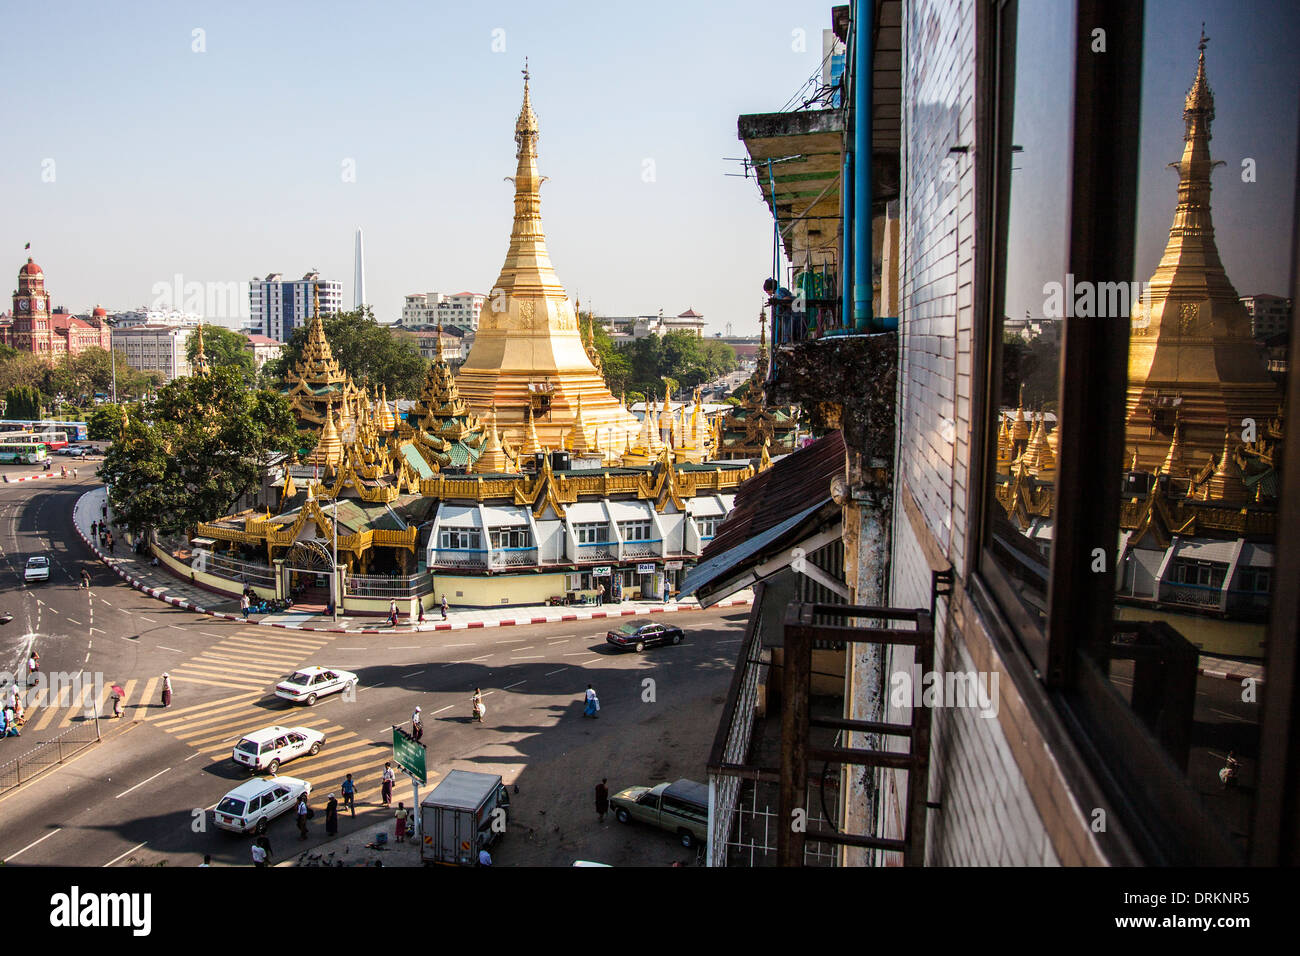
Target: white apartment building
155	348
629	328
1270	315
146	316
433	308
277	307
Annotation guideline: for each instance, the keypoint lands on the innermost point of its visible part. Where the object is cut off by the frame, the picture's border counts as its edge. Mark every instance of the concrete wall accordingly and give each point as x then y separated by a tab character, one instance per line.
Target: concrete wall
499	591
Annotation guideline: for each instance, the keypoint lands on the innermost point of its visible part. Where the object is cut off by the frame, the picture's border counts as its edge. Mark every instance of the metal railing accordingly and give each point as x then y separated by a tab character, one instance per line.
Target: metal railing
735	748
514	557
48	753
387	586
234	570
642	549
602	551
460	558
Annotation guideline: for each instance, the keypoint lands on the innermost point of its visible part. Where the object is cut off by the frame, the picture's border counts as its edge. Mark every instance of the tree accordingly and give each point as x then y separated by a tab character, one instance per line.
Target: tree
192	452
21	368
224	347
23	402
680	359
371	353
105	422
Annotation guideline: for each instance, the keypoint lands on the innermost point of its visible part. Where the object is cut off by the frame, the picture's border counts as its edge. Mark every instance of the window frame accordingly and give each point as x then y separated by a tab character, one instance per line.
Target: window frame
1161	811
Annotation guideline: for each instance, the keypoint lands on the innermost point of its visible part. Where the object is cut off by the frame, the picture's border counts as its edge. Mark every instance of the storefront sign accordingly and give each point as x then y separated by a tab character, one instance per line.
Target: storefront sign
601	572
645	569
673	566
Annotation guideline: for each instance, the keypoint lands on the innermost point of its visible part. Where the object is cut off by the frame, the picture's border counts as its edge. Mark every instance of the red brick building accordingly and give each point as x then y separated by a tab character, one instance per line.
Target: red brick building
37	330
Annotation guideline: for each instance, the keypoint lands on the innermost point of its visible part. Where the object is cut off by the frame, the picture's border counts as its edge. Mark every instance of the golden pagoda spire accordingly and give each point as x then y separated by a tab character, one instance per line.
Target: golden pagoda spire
533	444
1174	464
1226	484
201	359
493	459
580	444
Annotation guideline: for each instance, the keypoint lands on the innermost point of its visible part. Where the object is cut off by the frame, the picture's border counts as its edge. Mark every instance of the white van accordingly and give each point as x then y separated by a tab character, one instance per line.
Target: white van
266	749
253	805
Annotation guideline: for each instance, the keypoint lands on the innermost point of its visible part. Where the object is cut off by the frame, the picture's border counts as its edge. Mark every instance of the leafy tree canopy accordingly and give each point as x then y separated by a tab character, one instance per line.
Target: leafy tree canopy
680	359
105	422
194	450
23	402
371	353
224	347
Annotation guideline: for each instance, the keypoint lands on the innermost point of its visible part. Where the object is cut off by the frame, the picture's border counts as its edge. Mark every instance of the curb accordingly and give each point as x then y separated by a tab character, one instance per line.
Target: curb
14	481
447	626
1229	675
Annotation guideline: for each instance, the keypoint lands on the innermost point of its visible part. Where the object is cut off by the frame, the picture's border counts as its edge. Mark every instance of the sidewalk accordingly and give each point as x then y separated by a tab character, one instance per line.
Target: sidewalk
159	583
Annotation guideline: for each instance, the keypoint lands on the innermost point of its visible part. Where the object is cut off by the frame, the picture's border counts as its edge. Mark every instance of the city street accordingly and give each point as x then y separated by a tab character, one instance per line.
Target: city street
139	796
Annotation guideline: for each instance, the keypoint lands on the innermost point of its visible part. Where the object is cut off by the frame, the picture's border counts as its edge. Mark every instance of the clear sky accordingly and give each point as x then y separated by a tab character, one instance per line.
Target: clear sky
227	164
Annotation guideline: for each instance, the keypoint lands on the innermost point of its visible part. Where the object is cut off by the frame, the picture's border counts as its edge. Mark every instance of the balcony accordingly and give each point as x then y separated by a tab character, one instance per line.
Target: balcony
514	558
461	559
596	552
642	549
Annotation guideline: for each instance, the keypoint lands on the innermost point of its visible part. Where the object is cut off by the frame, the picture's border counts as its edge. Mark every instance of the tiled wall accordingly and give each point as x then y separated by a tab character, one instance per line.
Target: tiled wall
986	814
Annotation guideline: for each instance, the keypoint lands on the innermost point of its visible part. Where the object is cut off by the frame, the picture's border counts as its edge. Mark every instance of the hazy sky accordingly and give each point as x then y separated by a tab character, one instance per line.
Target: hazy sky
226	164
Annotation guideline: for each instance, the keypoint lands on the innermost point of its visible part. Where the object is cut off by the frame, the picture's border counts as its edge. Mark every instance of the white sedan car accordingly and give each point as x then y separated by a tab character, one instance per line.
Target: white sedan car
303	686
38	569
253	805
266	749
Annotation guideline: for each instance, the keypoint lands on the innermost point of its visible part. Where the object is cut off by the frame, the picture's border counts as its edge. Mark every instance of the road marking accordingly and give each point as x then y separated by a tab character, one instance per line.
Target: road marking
437	712
408	647
71	621
455	645
549	673
192	756
32	844
176	627
1224	713
102	601
413	674
149	619
516	684
101	630
164	647
210	634
575	653
513	640
526	657
132	850
137	787
592	661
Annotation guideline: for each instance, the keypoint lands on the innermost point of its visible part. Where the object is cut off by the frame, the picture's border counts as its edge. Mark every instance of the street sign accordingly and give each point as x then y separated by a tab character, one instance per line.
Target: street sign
409	753
672	565
601	571
645	569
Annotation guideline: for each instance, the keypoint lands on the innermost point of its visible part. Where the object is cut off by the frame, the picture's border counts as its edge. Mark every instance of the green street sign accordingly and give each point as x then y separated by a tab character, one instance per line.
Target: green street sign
409	754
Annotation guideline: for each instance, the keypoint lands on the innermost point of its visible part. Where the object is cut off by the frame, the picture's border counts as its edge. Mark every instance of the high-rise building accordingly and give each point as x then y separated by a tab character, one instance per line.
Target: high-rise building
1270	315
278	307
359	275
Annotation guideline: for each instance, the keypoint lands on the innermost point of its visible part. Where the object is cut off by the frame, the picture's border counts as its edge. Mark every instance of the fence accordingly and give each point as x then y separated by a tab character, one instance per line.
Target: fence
387	586
47	754
258	575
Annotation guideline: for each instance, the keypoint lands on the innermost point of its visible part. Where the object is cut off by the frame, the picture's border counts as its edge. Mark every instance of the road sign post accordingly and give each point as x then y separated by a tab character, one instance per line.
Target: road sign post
409	755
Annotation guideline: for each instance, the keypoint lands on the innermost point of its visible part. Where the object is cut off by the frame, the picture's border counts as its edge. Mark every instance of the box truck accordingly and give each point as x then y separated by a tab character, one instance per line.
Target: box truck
460	816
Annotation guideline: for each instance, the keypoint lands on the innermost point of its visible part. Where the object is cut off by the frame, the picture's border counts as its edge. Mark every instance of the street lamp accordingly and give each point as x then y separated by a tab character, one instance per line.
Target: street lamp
334	568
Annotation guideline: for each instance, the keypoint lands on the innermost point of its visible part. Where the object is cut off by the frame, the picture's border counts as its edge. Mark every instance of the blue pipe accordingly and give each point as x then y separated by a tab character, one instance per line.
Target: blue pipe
846	228
862	314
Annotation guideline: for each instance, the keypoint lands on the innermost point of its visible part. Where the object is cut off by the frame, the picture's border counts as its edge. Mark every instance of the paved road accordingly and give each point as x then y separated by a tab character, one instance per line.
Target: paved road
144	795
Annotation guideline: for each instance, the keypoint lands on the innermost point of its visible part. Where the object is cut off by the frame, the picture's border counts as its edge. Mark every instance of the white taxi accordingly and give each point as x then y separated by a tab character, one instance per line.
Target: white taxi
253	805
306	684
266	749
38	569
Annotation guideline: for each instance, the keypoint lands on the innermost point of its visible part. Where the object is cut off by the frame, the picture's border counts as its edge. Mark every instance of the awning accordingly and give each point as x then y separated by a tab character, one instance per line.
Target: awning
707	506
457	516
629	510
500	517
585	512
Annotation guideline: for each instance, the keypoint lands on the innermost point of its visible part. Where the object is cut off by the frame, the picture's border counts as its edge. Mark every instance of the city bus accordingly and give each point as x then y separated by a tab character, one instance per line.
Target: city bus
23	453
77	431
52	440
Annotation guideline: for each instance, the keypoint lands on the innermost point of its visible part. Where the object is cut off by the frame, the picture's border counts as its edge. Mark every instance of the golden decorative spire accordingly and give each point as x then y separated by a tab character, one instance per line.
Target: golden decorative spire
580	444
1174	465
1226	484
532	444
201	359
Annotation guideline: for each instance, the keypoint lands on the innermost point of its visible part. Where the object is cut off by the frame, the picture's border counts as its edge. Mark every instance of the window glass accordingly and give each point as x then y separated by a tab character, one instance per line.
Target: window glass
1203	417
1030	300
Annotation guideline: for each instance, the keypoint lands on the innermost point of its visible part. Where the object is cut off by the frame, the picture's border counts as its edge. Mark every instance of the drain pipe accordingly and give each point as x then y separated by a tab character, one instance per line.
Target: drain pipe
863	319
846	238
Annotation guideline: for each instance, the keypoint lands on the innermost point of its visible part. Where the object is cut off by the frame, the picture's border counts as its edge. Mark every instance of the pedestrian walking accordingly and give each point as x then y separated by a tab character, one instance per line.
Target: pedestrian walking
421	605
103	510
476	705
94	528
392	613
417	725
386	785
259	854
167	690
74	474
593	703
349	790
118	694
401	816
444	607
602	799
484	857
600	596
243	605
332	815
302	812
33	666
85	579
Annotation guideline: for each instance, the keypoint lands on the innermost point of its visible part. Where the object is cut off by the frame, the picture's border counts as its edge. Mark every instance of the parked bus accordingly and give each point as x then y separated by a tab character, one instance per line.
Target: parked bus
23	453
52	440
77	431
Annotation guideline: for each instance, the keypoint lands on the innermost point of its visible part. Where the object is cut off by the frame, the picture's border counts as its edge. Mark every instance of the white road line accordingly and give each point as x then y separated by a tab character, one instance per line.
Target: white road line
526	657
454	663
137	787
413	674
128	852
516	684
71	621
149	619
575	653
164	647
513	640
210	634
102	601
101	630
176	627
455	645
448	707
592	661
406	647
549	673
192	756
32	844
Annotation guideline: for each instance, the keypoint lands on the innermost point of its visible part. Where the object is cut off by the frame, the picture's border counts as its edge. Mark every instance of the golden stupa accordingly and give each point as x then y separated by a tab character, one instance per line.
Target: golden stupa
1192	361
529	359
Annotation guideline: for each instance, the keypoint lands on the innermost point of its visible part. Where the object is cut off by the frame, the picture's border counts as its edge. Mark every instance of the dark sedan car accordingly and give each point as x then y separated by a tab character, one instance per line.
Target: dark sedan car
641	636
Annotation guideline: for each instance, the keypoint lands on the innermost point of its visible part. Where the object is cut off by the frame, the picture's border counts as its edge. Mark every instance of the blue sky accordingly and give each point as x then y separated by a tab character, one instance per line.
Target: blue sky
226	164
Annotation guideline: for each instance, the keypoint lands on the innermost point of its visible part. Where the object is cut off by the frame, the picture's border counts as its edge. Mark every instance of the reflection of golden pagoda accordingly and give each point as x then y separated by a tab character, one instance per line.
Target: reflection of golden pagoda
528	352
318	386
1192	360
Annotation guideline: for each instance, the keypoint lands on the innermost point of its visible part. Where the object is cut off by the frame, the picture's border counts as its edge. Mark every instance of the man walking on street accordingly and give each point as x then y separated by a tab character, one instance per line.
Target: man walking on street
332	816
417	725
349	794
302	817
386	785
243	605
444	607
602	799
600	596
593	703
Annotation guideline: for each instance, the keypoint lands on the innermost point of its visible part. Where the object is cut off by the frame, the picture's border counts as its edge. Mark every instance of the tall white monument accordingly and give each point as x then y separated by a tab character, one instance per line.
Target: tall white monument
359	276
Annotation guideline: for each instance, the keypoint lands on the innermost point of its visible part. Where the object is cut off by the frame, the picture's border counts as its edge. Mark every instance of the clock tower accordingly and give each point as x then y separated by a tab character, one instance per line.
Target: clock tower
31	322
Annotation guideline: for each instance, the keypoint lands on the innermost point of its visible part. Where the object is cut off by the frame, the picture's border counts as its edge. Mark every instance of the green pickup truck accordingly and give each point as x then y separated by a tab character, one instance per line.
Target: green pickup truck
681	808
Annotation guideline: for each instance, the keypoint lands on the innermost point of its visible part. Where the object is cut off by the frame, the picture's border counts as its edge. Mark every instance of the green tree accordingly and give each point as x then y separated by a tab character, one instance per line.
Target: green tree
223	348
105	422
21	368
23	402
371	353
192	452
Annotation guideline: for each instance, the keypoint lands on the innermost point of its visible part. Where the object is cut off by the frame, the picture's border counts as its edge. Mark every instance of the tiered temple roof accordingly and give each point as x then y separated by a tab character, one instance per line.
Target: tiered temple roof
319	389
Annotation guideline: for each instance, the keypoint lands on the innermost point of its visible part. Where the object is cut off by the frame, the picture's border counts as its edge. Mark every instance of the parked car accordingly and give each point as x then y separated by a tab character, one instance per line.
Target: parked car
681	808
38	569
74	451
266	749
253	805
641	636
308	683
